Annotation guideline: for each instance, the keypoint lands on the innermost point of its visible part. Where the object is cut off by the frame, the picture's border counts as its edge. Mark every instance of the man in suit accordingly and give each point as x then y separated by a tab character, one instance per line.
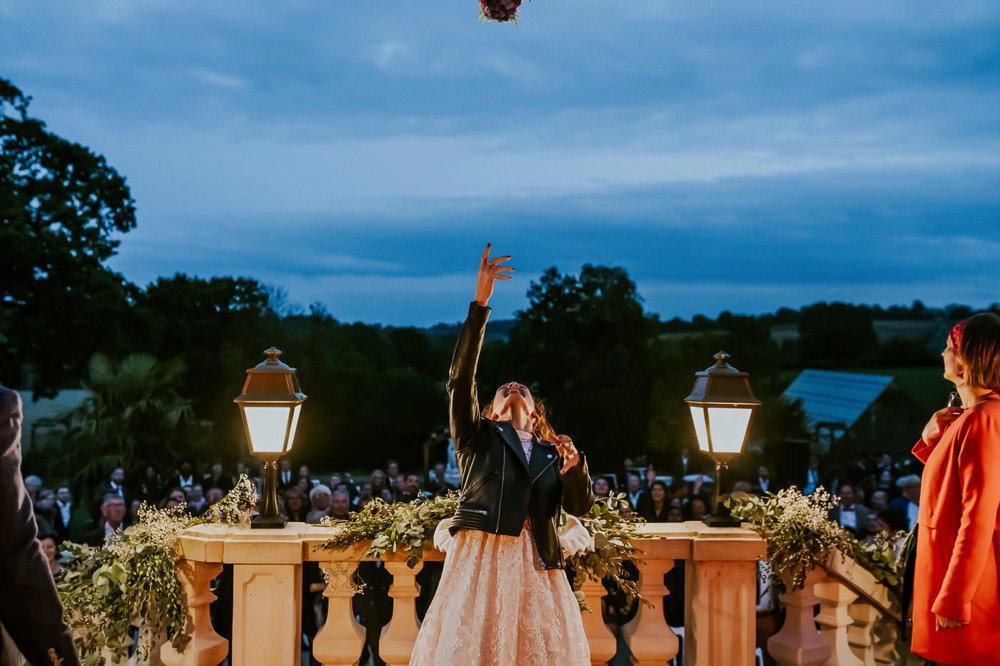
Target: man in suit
633	487
30	612
908	503
691	462
217	478
112	515
851	514
286	477
66	524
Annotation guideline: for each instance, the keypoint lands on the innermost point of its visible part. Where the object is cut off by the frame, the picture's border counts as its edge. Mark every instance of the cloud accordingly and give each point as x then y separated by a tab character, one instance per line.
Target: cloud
389	56
220	80
832	148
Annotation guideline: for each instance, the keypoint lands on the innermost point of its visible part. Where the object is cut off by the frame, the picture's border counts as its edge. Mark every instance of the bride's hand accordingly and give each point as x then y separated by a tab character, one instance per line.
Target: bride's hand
570	456
489	272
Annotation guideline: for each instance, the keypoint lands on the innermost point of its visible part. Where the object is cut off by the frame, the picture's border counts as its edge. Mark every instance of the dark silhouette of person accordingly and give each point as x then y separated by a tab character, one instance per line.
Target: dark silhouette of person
30	612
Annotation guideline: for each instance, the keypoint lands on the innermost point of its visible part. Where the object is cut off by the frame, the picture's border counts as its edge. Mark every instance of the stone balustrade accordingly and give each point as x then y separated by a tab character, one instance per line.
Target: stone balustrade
720	582
842	617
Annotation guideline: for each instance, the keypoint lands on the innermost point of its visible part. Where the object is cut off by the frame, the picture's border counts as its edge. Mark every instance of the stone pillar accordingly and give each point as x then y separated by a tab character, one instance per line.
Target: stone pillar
206	648
267	601
396	643
799	643
649	638
721	613
833	619
603	644
267	594
339	641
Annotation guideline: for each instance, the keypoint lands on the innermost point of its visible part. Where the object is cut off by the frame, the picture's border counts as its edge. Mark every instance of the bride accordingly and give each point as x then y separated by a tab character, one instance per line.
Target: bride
503	596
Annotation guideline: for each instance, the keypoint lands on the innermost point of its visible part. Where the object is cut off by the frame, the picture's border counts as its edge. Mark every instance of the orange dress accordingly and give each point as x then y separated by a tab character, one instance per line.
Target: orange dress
958	548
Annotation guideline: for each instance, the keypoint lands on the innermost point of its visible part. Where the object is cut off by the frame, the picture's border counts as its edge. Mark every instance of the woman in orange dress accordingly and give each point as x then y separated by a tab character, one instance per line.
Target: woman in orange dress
956	604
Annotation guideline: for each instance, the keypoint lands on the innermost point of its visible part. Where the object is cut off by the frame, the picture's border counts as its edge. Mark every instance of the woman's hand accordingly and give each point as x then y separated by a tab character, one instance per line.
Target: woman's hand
570	456
942	622
939	422
489	272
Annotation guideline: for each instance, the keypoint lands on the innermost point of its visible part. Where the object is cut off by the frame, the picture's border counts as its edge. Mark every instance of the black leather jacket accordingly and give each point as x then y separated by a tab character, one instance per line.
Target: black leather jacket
500	488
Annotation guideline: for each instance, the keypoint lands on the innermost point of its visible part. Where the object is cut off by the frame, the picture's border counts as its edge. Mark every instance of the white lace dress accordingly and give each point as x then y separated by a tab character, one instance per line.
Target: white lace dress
493	607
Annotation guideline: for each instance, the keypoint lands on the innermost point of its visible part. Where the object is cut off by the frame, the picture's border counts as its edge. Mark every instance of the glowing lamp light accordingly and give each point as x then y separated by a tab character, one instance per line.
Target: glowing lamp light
722	406
270	405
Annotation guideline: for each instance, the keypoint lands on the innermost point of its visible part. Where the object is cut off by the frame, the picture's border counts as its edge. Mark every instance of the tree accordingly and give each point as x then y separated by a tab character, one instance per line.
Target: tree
132	418
836	332
585	342
61	206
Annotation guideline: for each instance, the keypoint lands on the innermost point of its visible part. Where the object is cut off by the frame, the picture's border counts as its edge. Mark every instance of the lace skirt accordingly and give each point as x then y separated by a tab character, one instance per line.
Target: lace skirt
493	606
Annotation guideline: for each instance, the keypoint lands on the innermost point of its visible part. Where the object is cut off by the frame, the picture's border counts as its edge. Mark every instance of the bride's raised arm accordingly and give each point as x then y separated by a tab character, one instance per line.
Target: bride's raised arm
464	400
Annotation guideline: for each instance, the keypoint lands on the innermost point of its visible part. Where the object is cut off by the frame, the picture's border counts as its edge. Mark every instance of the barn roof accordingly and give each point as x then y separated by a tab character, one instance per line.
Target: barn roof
836	397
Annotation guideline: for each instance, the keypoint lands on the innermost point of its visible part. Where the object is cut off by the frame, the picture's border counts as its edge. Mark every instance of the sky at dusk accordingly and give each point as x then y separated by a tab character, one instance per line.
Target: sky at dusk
731	155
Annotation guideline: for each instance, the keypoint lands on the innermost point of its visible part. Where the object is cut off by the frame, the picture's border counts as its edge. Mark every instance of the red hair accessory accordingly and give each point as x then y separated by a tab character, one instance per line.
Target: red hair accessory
956	336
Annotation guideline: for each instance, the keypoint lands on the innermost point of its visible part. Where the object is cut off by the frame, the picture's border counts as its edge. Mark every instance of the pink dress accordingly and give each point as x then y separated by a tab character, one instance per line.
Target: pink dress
494	607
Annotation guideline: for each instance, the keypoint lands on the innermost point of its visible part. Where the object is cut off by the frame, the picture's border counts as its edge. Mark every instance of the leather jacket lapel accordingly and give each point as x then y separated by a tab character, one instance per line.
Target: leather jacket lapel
543	456
509	436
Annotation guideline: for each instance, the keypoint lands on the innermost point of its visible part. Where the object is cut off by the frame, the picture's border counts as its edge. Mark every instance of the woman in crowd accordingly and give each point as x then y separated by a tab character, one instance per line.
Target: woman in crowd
697	507
657	504
380	486
295	510
504	597
956	606
51	552
602	488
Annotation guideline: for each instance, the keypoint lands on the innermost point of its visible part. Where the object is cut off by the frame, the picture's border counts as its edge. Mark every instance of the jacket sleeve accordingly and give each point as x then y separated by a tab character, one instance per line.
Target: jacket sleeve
980	488
922	450
462	393
578	491
31	612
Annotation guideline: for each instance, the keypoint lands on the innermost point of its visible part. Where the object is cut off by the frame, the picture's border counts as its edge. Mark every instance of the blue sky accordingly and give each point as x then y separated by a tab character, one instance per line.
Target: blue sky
739	155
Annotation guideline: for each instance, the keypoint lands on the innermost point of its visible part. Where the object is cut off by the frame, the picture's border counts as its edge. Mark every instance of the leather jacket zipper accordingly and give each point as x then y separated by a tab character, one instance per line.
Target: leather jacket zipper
483	512
544	470
503	473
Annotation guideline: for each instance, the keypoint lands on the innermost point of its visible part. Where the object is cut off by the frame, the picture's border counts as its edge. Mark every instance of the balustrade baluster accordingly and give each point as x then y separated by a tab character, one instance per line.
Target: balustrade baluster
603	643
206	648
798	643
399	635
649	638
886	646
861	634
340	639
833	619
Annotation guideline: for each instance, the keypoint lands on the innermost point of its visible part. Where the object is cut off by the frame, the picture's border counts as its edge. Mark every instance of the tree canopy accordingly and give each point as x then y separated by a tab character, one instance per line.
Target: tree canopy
61	208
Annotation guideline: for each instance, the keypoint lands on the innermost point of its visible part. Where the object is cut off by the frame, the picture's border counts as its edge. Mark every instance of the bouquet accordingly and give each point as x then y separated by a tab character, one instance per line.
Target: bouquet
499	10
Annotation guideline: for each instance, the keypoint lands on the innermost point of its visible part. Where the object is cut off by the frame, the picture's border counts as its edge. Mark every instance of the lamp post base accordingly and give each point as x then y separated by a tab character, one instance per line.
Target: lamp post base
269	518
720	521
268	522
720	516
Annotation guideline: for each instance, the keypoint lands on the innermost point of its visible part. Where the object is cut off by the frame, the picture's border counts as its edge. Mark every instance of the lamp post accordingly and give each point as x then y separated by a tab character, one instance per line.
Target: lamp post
722	406
270	406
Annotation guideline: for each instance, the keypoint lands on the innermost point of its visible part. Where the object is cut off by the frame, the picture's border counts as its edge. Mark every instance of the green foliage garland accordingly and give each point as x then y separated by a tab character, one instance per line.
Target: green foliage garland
409	527
403	526
800	536
104	590
612	548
